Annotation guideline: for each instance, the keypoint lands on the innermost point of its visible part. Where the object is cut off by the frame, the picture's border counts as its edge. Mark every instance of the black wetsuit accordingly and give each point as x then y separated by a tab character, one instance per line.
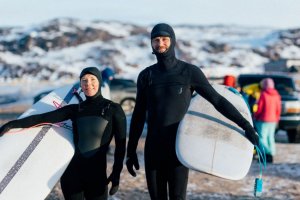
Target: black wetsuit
86	174
164	91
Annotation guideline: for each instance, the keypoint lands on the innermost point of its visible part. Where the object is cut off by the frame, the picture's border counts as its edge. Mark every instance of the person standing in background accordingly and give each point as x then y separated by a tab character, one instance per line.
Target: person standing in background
229	80
108	75
267	116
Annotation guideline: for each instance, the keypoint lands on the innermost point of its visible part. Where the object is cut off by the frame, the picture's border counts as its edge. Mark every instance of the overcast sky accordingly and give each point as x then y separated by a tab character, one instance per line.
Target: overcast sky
267	13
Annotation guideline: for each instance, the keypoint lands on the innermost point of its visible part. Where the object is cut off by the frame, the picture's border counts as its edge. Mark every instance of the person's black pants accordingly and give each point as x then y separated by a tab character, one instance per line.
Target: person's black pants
85	179
160	180
164	172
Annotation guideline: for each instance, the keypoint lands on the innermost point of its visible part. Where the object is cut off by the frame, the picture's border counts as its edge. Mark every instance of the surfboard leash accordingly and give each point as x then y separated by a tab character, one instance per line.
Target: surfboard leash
37	125
258	185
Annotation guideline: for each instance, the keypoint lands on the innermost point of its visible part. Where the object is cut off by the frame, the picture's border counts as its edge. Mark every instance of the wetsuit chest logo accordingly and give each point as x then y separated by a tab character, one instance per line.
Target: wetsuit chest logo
180	90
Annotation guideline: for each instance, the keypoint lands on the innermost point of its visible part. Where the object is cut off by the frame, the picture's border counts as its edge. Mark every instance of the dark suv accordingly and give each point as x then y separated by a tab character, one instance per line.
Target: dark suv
290	114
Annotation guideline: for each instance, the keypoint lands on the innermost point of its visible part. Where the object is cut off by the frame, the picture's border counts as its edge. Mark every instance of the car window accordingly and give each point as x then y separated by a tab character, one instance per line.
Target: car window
122	83
284	85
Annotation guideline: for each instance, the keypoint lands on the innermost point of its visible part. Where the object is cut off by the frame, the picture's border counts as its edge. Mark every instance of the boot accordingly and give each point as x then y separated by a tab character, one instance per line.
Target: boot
269	158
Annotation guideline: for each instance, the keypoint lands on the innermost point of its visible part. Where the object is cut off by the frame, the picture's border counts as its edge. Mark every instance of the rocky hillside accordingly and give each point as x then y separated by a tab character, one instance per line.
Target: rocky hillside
60	48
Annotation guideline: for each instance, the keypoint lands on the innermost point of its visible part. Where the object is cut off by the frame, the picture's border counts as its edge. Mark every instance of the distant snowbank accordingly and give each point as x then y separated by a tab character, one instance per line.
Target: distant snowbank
23	90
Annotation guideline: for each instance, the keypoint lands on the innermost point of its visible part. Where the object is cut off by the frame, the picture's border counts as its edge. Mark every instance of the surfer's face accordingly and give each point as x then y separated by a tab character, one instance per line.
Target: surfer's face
89	85
161	44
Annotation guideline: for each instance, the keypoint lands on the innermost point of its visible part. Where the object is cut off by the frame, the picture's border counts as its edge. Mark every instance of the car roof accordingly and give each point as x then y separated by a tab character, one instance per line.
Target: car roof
266	75
246	79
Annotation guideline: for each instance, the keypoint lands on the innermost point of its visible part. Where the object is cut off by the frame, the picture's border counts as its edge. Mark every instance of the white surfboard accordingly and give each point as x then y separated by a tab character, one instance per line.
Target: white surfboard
209	142
32	160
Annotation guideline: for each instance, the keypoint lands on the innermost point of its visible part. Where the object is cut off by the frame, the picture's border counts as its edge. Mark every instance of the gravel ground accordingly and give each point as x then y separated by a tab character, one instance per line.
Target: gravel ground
281	179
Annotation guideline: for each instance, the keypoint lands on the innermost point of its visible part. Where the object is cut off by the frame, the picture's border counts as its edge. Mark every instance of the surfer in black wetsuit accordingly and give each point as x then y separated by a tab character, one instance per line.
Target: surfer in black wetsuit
95	122
164	91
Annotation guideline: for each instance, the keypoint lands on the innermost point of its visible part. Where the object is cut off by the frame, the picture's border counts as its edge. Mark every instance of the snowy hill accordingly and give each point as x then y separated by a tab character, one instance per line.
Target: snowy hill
60	48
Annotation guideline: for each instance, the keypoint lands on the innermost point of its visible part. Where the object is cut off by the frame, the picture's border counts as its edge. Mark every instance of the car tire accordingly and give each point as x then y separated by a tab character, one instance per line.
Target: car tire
297	135
127	105
294	135
291	135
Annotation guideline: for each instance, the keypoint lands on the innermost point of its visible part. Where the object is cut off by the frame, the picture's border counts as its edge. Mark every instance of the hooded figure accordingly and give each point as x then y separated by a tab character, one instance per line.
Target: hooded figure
166	59
164	91
94	71
267	116
95	122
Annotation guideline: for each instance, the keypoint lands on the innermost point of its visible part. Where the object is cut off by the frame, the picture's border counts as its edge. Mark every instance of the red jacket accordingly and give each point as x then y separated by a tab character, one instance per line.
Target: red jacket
269	106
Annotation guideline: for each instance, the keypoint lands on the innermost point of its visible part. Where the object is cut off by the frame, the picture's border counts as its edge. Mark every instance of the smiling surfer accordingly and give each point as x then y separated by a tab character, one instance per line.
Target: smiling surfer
95	122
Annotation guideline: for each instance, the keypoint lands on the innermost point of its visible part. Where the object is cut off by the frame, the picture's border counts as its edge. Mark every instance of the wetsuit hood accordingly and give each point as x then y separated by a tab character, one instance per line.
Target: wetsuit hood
166	59
94	71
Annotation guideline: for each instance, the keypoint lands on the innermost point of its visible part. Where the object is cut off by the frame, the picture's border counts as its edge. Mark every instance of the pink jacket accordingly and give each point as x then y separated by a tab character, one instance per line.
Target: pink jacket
269	106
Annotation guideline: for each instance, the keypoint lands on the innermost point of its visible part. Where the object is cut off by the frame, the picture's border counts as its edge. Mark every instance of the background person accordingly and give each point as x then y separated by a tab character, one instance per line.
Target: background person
95	122
267	116
229	80
108	74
